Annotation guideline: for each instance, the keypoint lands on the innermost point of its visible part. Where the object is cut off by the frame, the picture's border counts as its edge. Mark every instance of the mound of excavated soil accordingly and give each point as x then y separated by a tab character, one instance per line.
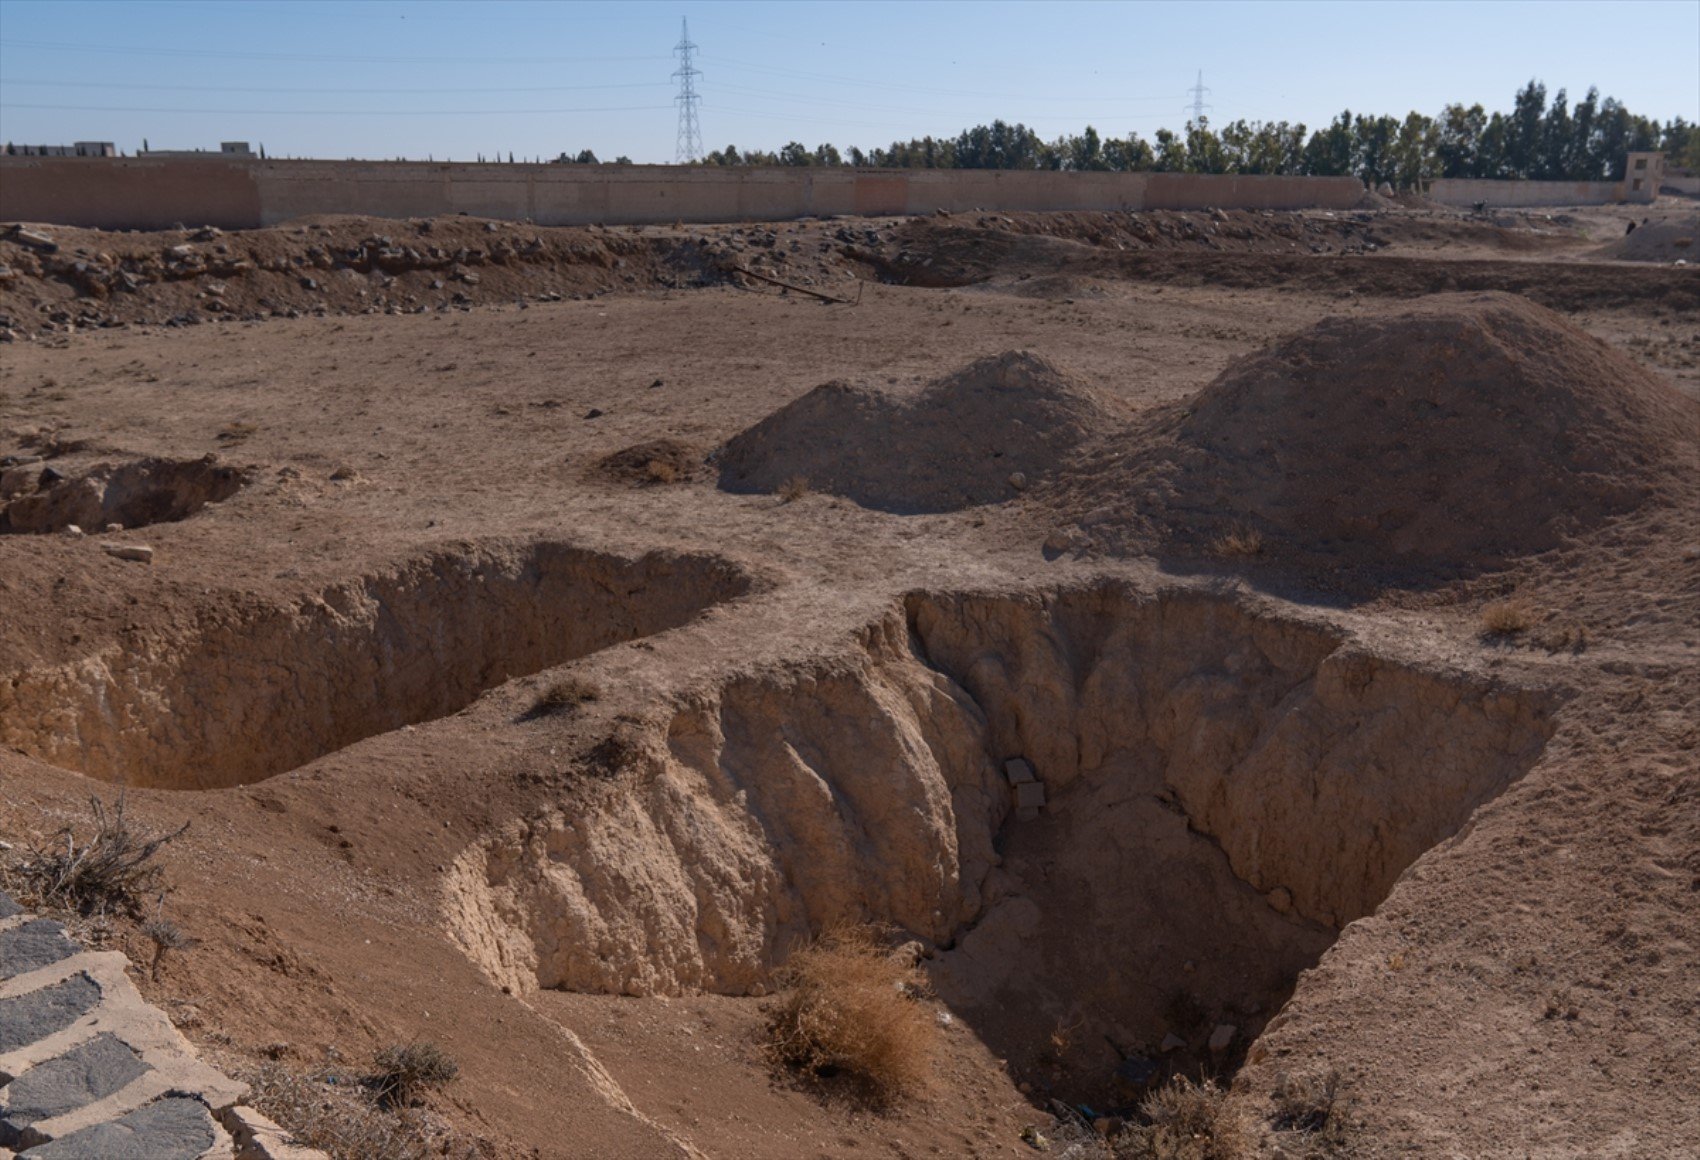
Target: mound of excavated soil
974	437
1460	431
1663	241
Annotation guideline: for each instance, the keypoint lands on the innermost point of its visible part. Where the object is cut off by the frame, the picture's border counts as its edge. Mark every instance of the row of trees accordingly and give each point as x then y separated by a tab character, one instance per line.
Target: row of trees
1537	139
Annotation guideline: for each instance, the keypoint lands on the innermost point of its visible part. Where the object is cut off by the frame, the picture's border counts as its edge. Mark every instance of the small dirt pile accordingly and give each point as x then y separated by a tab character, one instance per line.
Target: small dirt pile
978	436
1458	432
1661	241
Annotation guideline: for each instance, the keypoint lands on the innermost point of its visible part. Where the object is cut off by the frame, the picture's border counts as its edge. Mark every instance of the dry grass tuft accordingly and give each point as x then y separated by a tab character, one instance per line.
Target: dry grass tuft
166	937
404	1072
1190	1121
564	695
110	873
343	1120
1306	1103
1238	540
851	1008
793	489
233	433
660	471
1507	617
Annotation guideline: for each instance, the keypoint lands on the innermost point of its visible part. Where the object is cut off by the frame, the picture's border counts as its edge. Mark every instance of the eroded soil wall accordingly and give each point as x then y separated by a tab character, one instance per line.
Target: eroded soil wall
252	691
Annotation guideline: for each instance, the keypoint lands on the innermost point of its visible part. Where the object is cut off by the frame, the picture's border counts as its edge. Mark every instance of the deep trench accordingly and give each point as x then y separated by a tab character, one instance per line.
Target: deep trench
1225	790
253	690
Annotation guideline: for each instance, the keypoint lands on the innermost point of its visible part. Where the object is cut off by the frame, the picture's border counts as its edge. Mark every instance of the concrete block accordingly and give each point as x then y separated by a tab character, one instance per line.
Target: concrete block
1029	795
1019	771
257	1138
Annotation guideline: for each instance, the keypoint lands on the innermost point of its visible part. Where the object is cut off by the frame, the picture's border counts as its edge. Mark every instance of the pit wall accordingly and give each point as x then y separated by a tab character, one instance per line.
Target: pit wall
870	787
157	193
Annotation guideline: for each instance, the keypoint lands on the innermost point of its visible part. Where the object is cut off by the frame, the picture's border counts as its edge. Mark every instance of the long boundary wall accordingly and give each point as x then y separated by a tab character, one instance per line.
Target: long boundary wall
155	193
1643	173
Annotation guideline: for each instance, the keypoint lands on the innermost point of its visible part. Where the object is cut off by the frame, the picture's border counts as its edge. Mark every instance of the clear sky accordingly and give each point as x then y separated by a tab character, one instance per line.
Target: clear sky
453	78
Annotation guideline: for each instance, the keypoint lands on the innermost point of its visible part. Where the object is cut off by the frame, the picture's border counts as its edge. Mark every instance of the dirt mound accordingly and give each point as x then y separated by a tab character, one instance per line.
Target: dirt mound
651	462
37	498
1661	241
1464	430
974	437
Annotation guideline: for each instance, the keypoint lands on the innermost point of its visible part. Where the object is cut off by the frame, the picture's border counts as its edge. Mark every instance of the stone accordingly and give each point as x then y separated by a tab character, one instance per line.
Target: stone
88	1072
257	1138
35	240
38	1014
139	553
15	481
8	907
1172	1042
1030	795
112	528
1018	480
1223	1036
1019	771
168	1129
594	413
1136	1073
32	946
71	532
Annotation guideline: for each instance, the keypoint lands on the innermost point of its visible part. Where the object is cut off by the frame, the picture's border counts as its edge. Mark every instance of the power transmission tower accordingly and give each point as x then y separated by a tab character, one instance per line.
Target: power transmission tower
690	136
1196	109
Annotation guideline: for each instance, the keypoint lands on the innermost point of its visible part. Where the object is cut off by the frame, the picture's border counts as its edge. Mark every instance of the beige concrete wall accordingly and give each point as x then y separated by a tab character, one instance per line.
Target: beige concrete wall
238	193
1467	191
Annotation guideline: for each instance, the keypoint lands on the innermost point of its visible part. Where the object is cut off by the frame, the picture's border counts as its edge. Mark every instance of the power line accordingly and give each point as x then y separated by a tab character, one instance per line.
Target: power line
339	112
298	91
68	46
689	146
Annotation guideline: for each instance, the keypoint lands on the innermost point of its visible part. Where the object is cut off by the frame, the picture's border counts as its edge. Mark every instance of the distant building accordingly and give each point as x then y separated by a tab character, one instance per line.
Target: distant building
1642	176
225	149
80	149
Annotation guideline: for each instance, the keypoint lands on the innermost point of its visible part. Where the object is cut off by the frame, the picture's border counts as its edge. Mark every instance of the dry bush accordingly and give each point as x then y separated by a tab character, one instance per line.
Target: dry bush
166	936
404	1072
1308	1103
111	872
851	1008
1507	617
232	433
564	694
1238	540
793	489
1189	1121
660	471
344	1121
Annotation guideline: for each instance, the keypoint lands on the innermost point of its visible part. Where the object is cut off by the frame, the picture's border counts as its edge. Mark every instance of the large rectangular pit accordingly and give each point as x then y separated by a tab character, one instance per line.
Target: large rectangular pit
1225	789
254	690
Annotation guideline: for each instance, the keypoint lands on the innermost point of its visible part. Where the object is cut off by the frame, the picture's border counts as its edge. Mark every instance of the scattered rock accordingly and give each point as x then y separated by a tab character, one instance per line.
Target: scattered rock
1172	1042
1019	771
139	553
1222	1037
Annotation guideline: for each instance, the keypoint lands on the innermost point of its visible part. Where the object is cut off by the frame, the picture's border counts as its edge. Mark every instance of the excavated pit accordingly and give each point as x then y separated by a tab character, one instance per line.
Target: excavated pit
1224	790
40	499
253	690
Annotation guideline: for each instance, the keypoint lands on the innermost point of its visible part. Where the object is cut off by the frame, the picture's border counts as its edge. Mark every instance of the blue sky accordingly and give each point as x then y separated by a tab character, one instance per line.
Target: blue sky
453	78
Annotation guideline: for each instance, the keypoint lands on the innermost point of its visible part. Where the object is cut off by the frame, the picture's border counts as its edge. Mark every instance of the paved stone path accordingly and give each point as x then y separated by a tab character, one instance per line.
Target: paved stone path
89	1070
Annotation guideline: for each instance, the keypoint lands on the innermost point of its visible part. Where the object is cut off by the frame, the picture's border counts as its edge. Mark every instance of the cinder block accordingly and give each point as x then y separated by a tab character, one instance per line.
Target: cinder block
1019	771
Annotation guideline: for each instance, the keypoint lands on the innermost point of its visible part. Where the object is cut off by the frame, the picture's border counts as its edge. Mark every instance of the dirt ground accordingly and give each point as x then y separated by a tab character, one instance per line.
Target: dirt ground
1459	869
